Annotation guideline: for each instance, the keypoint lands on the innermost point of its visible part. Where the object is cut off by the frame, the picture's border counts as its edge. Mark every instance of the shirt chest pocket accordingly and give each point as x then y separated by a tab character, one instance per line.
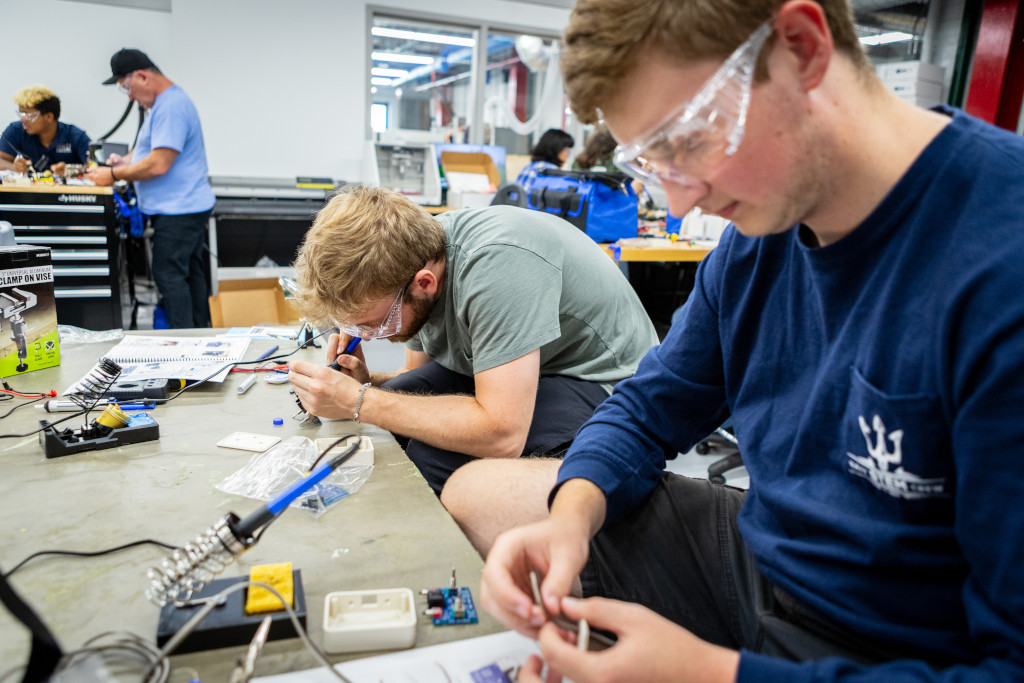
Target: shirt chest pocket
899	445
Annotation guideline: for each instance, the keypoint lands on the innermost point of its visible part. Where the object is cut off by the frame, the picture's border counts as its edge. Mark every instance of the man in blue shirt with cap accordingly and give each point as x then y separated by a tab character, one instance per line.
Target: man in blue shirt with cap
168	167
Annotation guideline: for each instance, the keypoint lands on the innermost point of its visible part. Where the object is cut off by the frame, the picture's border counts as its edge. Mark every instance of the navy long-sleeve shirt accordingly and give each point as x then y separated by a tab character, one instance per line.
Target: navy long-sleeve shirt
876	387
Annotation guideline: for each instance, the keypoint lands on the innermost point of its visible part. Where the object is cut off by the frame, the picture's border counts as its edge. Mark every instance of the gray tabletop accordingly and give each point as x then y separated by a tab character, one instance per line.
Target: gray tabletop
393	533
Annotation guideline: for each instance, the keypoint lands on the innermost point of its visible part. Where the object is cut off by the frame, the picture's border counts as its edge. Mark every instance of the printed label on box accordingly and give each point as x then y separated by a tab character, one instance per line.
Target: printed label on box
28	311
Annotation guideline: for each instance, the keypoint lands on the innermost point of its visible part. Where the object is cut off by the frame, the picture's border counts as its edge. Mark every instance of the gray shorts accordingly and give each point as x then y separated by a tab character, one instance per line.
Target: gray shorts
681	555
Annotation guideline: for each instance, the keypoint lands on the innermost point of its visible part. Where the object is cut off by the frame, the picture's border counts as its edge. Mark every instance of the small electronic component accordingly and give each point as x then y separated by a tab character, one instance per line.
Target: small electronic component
450	605
435	598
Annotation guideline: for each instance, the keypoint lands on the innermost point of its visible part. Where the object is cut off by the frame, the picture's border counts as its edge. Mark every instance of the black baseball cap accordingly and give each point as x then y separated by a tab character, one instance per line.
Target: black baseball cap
125	61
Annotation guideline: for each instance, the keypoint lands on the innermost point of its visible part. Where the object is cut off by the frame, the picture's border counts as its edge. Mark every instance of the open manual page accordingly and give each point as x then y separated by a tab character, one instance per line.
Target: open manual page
184	358
486	659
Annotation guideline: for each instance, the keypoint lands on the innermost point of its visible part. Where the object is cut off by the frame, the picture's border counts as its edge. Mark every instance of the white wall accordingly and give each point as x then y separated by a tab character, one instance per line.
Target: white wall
281	87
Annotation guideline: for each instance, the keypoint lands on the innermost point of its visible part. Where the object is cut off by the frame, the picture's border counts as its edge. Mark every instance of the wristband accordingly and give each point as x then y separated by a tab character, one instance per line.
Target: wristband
359	403
113	177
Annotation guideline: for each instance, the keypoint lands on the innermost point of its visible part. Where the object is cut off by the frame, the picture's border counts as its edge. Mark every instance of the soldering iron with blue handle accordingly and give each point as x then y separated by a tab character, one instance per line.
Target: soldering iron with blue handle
188	569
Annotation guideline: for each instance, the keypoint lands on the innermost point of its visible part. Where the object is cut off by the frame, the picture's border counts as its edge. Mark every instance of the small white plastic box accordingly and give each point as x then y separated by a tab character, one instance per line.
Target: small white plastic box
357	621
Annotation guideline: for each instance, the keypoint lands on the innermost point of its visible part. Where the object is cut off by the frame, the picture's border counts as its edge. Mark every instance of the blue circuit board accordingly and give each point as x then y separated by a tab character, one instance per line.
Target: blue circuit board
447	617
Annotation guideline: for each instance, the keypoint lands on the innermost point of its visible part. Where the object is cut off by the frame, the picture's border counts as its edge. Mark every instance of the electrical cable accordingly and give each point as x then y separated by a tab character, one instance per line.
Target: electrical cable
171	645
84	553
160	401
48	425
340	460
328	449
127	111
20	405
128	648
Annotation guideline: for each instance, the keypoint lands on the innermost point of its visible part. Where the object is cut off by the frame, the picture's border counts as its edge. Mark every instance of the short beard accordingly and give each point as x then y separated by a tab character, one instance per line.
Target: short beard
421	310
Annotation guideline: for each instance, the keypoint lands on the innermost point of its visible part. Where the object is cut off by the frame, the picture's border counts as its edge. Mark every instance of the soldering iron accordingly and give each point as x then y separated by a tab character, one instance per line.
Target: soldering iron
188	569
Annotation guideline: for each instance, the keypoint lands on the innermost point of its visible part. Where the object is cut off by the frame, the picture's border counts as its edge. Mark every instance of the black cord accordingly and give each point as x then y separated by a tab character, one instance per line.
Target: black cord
329	448
355	449
48	425
161	401
20	405
96	553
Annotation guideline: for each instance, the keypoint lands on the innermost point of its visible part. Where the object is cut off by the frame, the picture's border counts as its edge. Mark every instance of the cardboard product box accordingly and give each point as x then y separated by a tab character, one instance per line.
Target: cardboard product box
28	327
472	179
260	301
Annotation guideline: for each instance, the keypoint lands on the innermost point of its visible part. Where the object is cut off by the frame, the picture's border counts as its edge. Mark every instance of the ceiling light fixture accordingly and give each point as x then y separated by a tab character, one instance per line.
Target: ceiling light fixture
391	73
422	37
402	59
886	38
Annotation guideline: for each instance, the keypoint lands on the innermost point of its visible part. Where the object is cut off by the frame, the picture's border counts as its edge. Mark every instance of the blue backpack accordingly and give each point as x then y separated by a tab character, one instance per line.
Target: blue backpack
601	204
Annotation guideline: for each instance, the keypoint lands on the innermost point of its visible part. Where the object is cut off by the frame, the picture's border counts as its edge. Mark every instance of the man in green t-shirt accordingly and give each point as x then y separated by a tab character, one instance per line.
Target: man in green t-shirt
516	326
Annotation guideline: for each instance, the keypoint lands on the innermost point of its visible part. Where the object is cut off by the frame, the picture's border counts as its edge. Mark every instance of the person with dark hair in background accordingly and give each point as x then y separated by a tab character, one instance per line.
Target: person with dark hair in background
551	151
39	140
598	152
168	167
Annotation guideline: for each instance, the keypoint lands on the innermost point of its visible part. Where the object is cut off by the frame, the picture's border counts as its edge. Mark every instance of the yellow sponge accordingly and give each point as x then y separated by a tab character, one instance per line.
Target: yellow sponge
279	576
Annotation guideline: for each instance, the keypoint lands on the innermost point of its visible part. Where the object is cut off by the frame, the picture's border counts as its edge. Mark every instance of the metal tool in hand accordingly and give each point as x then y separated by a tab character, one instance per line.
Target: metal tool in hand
585	639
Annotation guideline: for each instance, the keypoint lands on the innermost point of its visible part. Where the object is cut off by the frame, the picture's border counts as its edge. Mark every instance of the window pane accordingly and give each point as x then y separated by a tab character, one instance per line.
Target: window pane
516	70
422	72
891	33
378	117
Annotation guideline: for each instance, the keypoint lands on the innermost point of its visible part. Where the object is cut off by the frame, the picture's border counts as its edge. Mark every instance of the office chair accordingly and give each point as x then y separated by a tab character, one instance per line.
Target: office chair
721	440
511	194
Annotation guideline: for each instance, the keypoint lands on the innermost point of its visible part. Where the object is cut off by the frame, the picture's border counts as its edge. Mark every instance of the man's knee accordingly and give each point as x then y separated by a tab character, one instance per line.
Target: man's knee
487	497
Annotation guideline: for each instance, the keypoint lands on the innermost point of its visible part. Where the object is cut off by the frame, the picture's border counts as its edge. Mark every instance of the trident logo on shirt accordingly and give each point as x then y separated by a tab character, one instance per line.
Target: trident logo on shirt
897	482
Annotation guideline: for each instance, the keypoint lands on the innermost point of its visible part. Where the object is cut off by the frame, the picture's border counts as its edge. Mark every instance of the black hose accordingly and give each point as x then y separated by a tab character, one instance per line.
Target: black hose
117	125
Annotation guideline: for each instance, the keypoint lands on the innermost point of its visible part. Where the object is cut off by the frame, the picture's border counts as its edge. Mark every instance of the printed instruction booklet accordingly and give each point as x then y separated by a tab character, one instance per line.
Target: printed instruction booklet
184	358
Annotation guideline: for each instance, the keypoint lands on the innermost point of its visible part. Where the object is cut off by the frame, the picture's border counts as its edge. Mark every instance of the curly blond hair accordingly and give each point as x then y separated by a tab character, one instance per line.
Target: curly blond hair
606	39
32	95
364	246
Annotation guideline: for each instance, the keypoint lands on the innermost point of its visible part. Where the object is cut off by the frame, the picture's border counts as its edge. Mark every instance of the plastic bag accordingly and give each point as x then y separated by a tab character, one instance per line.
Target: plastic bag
268	474
69	334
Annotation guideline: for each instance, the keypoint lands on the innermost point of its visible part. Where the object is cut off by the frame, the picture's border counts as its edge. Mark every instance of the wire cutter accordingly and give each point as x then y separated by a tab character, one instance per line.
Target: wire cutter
244	668
585	639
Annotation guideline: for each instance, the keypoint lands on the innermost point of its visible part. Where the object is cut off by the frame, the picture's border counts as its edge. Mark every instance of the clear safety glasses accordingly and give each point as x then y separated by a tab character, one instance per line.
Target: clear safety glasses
391	326
28	116
701	132
125	84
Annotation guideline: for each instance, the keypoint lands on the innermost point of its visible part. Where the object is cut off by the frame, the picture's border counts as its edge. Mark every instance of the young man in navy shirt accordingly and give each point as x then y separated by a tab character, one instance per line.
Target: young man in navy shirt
861	322
168	167
38	139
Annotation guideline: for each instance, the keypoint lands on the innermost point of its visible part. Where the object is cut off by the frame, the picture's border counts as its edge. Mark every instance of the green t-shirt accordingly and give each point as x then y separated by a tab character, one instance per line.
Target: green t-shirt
518	280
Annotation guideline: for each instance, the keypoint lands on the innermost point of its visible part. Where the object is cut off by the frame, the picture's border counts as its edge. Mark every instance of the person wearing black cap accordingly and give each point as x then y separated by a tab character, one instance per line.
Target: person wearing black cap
168	167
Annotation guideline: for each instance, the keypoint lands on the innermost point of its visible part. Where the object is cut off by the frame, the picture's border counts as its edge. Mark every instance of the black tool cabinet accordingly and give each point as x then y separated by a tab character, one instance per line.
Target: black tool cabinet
80	226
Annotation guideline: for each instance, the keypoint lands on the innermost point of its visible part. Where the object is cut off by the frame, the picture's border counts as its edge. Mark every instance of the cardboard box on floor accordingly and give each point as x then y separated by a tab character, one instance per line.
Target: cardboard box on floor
28	311
472	179
250	302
